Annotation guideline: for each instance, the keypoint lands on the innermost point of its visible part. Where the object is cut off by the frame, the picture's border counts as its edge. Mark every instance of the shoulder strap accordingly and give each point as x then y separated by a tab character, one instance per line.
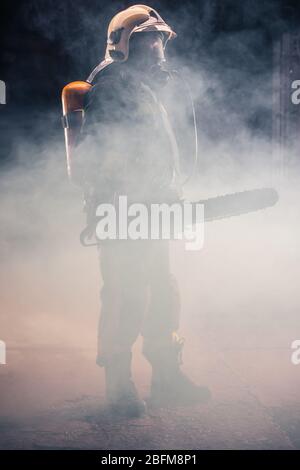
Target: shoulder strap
105	63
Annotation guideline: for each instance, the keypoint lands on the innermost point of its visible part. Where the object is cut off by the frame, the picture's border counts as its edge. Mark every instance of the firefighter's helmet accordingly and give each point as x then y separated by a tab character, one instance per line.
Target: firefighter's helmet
135	19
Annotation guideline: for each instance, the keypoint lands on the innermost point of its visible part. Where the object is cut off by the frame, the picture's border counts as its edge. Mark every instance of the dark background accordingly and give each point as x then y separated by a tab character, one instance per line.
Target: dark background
45	44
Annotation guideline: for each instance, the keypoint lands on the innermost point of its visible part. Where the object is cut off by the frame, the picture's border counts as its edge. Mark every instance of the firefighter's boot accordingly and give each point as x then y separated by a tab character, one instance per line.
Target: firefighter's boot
169	385
121	394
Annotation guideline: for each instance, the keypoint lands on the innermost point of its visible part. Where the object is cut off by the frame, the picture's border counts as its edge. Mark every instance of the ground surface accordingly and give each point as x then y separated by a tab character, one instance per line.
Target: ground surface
255	402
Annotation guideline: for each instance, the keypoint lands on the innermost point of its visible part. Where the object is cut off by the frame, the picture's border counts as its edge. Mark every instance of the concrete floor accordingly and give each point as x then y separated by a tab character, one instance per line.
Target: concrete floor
255	402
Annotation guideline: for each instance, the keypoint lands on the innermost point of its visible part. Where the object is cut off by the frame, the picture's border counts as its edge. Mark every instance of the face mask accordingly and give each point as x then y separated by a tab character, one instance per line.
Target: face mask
146	50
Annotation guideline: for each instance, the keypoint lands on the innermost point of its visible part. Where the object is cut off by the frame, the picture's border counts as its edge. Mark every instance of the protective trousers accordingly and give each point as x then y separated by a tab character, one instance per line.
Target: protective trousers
139	296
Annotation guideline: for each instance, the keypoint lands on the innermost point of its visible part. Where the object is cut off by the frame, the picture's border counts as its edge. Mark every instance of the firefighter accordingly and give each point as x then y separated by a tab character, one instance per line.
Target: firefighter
128	147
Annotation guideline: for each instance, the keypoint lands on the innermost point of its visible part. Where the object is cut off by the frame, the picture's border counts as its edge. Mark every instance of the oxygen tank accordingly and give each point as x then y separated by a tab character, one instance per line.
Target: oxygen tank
73	103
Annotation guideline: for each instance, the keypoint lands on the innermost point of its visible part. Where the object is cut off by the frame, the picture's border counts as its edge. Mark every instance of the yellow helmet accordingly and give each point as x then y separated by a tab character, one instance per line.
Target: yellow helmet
135	19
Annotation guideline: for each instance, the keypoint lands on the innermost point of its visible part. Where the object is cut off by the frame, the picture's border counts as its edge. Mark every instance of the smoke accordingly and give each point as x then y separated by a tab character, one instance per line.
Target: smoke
239	294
